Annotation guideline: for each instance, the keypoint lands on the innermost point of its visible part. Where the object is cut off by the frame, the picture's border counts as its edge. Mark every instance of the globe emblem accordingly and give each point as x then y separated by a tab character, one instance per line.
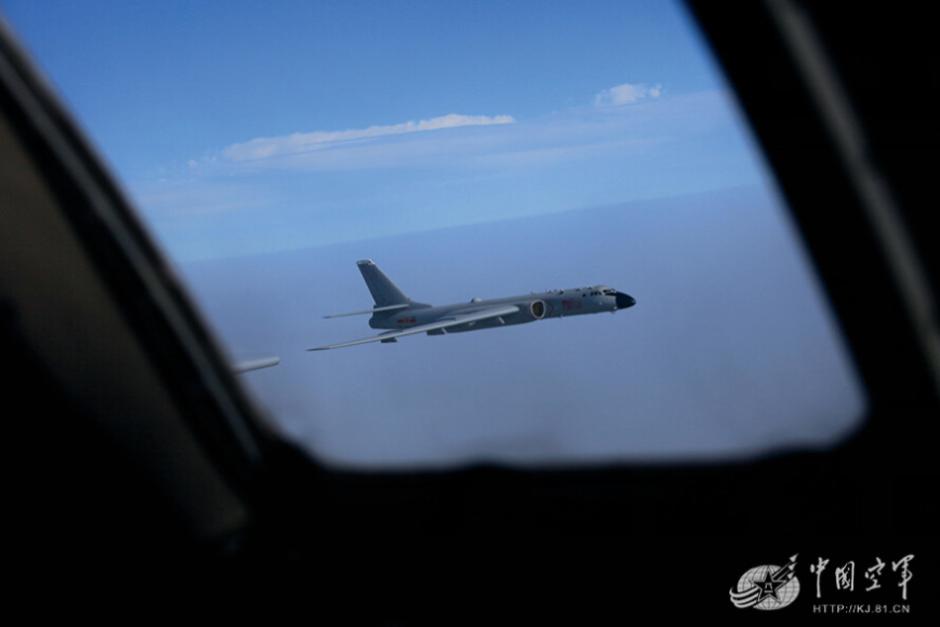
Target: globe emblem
758	577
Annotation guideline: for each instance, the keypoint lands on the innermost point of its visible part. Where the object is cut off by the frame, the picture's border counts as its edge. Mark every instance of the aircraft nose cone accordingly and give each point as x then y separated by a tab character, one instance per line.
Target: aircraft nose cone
625	300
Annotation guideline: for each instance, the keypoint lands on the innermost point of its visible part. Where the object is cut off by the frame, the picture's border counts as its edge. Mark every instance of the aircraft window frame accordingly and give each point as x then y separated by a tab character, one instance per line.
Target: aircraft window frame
849	258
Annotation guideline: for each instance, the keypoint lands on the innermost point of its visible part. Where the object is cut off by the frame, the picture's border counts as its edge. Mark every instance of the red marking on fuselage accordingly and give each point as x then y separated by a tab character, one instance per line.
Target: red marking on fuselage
569	304
410	320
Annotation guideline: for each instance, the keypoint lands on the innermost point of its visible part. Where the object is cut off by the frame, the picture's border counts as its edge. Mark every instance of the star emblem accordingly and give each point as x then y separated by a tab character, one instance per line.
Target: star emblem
769	586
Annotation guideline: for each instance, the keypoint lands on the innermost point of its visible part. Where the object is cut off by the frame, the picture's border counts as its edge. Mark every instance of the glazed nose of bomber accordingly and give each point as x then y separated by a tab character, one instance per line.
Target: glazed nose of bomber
625	301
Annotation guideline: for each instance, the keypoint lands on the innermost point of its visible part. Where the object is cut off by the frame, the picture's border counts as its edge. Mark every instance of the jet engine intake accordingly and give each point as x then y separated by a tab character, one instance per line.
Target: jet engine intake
537	309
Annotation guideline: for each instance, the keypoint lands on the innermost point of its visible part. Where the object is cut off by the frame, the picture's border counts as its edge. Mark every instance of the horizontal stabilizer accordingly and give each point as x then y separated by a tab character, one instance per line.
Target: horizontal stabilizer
370	311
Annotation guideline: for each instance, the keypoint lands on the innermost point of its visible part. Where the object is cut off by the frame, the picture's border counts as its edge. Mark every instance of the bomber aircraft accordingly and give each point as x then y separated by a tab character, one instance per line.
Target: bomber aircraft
403	316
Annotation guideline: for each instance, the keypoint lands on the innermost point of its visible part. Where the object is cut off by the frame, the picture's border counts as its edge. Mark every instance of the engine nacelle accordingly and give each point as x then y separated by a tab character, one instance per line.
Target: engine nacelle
537	309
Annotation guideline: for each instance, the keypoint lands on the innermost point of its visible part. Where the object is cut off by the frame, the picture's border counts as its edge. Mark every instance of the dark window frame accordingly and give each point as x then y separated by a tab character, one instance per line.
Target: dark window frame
295	500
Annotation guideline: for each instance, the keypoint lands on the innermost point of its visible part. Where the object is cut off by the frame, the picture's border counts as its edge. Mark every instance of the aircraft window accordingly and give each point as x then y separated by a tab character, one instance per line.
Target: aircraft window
454	153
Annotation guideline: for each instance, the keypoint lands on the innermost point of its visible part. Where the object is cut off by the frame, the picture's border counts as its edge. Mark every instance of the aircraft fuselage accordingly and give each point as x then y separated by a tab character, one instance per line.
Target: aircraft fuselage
532	307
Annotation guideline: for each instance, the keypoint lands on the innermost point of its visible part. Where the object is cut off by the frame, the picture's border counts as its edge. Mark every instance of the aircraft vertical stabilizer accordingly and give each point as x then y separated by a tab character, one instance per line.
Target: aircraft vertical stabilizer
384	292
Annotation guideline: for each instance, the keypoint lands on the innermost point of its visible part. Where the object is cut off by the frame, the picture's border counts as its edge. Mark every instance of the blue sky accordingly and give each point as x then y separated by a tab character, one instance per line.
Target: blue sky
241	128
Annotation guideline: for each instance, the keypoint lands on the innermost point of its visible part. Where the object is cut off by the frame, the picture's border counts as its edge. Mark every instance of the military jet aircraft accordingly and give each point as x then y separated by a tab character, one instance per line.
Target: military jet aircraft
403	316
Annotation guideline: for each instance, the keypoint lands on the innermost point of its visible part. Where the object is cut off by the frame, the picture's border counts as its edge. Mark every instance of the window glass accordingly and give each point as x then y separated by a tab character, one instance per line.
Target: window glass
287	157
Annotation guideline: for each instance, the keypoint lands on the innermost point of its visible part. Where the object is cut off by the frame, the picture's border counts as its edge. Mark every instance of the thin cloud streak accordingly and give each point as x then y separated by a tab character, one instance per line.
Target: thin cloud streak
299	143
478	141
473	139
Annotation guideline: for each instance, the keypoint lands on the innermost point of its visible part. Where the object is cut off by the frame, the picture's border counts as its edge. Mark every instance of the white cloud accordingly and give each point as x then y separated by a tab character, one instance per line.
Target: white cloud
492	142
296	143
627	93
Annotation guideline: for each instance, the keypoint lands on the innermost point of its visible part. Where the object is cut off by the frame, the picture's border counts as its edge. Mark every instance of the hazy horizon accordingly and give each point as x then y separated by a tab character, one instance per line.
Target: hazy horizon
762	367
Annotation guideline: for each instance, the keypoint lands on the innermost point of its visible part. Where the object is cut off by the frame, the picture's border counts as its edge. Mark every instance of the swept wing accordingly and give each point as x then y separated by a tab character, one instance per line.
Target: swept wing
444	323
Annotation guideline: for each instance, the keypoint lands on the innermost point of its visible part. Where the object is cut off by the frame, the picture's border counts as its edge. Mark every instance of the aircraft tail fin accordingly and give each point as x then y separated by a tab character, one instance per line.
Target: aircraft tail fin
384	292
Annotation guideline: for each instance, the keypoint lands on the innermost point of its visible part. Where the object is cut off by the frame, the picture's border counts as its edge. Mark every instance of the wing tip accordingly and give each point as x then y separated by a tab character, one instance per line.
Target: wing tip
255	364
